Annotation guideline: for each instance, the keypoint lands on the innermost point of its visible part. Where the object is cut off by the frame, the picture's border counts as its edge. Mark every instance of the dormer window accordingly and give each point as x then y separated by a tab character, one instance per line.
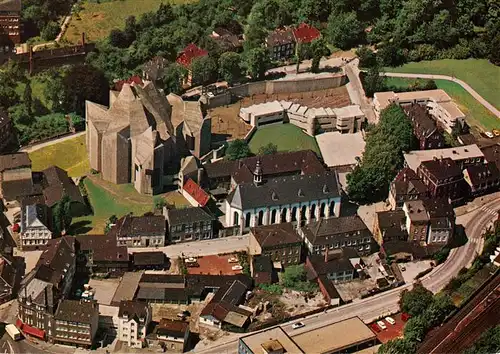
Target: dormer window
300	193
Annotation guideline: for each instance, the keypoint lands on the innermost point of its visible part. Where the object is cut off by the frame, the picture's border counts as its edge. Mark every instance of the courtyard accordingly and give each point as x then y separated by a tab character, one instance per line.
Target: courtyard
287	137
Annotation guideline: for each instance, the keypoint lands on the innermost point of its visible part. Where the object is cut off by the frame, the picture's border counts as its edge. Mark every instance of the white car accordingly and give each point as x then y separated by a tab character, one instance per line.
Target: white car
298	325
489	134
390	320
381	324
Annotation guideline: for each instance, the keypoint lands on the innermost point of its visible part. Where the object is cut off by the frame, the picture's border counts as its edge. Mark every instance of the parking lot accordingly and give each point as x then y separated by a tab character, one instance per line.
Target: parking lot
215	265
392	331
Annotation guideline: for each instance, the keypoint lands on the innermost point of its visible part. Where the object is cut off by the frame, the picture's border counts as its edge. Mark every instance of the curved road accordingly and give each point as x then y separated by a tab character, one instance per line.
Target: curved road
469	89
385	303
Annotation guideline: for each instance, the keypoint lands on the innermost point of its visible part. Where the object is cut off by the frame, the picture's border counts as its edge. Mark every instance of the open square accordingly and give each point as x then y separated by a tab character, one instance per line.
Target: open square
340	149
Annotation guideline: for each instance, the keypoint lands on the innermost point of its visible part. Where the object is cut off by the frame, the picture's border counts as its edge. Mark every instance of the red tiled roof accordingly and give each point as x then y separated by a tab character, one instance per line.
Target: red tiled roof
131	80
305	33
189	53
196	192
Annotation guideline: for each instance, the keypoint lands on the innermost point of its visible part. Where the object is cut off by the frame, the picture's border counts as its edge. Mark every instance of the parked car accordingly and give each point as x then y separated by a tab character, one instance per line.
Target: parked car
390	320
381	324
496	132
375	327
298	325
489	134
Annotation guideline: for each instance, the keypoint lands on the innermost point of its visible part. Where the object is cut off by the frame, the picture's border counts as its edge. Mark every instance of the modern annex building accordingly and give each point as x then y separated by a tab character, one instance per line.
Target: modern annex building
138	138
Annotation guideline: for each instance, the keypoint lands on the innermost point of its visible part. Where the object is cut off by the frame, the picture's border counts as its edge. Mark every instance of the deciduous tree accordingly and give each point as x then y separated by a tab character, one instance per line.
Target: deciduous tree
237	149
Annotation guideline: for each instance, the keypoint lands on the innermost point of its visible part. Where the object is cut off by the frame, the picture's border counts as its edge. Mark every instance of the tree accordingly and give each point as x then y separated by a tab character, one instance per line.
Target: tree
82	83
416	328
50	31
54	90
318	50
62	215
390	54
237	149
367	58
295	277
204	70
489	342
397	346
230	66
256	62
344	30
28	98
415	301
268	149
441	306
118	39
172	78
373	81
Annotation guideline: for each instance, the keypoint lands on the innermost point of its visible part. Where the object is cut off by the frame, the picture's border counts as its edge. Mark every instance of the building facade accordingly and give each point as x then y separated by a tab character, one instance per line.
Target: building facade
134	319
424	127
296	199
36	226
443	178
336	233
281	44
76	323
406	186
280	242
417	220
173	335
189	224
140	231
10	23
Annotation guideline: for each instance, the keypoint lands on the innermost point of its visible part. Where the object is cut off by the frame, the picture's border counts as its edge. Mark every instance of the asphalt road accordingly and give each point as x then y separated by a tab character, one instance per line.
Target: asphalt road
200	248
370	308
8	346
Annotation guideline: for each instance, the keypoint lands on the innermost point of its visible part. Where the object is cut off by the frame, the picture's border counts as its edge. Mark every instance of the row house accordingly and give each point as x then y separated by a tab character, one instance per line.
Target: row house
424	127
140	231
443	178
189	224
280	242
335	265
134	319
406	186
75	323
337	233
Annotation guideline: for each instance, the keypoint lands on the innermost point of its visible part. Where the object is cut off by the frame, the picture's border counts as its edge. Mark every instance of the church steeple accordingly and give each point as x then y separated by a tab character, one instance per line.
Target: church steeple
257	173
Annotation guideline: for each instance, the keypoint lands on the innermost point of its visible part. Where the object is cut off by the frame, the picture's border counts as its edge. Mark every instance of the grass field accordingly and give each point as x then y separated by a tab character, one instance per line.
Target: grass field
480	74
477	115
105	203
70	155
97	20
287	137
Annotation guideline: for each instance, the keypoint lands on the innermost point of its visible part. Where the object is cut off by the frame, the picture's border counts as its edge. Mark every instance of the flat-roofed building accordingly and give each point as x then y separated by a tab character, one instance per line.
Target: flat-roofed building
438	103
464	156
273	340
341	337
264	113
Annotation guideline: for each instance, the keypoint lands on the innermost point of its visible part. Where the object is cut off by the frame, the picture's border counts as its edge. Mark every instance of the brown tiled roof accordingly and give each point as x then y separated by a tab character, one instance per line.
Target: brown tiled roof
103	248
133	309
56	260
439	207
334	264
442	168
492	153
172	328
280	36
13	161
77	311
10	6
148	258
131	226
483	173
19	189
300	162
322	231
275	235
56	184
407	182
423	125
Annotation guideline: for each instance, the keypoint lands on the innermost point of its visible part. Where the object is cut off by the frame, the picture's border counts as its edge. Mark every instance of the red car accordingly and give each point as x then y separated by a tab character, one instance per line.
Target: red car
405	317
375	327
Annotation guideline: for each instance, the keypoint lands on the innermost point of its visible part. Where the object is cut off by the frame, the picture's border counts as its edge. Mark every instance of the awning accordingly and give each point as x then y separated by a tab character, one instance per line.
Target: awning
32	331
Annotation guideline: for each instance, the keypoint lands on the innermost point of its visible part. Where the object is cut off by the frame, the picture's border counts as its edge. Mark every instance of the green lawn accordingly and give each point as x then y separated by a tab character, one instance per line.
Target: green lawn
477	115
480	74
105	204
98	19
287	137
70	155
37	89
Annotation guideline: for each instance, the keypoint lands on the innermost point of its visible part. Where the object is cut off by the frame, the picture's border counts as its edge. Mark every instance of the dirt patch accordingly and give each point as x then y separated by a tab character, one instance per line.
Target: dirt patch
98	16
170	311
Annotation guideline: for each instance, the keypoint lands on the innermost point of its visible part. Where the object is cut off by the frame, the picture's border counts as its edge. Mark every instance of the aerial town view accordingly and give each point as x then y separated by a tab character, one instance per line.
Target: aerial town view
249	176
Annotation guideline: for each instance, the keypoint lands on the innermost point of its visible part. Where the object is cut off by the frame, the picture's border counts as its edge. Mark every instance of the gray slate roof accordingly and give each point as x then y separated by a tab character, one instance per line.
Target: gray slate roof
187	216
285	190
322	232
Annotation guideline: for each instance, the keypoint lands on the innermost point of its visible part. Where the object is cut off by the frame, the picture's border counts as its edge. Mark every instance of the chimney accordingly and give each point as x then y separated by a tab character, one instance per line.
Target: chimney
200	176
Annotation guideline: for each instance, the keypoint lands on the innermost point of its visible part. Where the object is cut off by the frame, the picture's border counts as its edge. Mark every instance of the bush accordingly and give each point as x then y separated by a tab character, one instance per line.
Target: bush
50	31
272	288
367	58
442	255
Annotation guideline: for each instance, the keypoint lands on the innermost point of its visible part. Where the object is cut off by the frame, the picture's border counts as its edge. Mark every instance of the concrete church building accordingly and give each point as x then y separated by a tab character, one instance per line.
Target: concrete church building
142	134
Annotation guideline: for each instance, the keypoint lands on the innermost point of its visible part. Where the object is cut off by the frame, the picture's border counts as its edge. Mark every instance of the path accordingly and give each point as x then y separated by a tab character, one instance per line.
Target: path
36	147
356	91
469	89
64	27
